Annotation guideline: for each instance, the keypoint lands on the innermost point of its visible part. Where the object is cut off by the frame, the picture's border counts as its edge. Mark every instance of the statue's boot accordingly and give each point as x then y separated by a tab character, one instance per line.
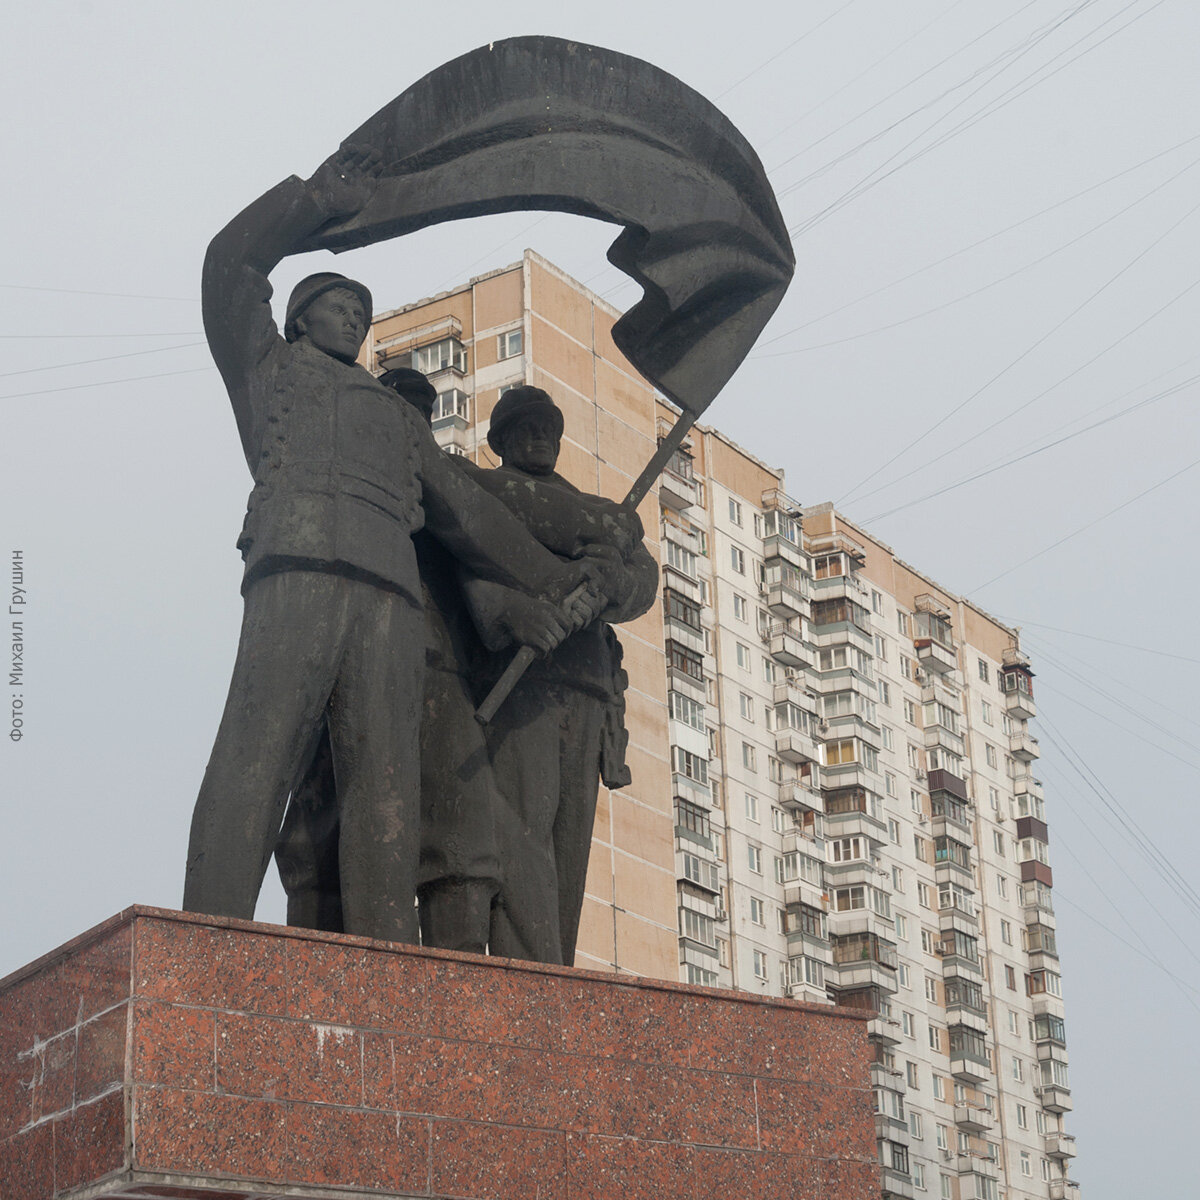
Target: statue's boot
456	914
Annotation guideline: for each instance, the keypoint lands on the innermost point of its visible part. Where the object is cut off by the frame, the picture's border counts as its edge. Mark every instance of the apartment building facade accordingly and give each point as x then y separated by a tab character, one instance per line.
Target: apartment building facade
835	795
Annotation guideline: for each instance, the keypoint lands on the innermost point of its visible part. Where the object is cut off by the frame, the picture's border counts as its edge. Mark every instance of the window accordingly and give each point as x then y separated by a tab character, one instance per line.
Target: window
931	991
989	752
743	656
910	711
1014	1024
920	848
984	673
1022	1117
902	623
914	1118
902	975
735	511
739	606
897	879
752	808
1018	1069
910	1071
768	671
1010	978
914	756
893	831
754	858
942	1135
698	927
889	783
986	710
779	820
758	911
994	798
902	927
509	344
440	355
927	940
1026	1165
684	708
691	765
885	694
746	705
935	1038
780	873
737	559
906	666
907	1024
749	757
939	1088
1006	933
880	648
774	769
876	601
998	842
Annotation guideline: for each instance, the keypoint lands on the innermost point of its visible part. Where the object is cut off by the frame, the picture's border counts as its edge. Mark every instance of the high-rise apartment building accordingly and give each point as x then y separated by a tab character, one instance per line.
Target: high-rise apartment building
834	793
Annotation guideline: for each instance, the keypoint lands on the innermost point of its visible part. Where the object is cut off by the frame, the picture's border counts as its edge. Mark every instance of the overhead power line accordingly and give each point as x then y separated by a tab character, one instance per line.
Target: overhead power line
1091	637
78	387
85	362
1083	528
26	287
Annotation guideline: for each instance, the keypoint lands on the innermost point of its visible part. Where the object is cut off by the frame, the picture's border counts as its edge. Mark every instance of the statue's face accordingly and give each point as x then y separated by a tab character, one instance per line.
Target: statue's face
531	445
334	322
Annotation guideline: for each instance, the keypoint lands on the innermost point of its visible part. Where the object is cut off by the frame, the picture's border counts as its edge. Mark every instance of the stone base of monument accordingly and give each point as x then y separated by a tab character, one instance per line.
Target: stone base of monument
167	1055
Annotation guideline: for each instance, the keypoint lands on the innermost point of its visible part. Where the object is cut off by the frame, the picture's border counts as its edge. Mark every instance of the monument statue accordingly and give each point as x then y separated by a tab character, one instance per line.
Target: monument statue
333	630
330	676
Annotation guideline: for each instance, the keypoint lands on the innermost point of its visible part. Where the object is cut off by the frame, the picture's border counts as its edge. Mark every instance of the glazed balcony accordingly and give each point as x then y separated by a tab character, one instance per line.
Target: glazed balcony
796	796
677	486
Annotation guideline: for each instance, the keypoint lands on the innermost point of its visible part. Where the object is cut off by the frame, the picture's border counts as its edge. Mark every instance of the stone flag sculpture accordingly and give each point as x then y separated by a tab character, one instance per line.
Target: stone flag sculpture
542	123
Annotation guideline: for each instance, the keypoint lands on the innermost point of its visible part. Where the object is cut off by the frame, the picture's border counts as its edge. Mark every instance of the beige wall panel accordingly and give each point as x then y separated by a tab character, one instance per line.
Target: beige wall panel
596	933
637	828
647	949
562	358
498	302
578	466
630	399
732	469
644	663
647	627
560	304
579	418
600	872
622	446
647	721
457	304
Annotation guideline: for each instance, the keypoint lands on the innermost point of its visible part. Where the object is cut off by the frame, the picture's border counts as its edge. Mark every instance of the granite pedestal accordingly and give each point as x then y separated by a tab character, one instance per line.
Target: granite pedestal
163	1054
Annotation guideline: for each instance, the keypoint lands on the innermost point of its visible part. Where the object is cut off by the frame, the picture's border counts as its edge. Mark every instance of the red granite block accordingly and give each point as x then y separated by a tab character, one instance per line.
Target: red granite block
849	1179
51	1075
27	1164
475	1001
101	1054
90	1142
173	1044
189	963
490	1162
350	985
193	1133
340	1146
88	980
815	1120
629	1022
724	1174
288	1060
16	1067
601	1168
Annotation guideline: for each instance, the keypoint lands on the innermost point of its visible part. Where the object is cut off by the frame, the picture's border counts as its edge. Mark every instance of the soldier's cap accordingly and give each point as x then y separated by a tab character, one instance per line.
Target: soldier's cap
411	384
519	402
308	289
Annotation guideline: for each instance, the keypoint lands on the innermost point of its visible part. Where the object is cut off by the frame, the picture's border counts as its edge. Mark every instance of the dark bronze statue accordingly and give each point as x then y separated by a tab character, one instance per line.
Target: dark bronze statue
333	632
358	527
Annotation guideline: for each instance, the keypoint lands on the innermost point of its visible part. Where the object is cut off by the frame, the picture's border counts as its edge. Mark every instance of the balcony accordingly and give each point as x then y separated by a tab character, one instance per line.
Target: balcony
1064	1189
785	601
677	487
1019	703
793	746
1060	1145
1022	746
786	646
1055	1099
884	1030
797	796
896	1183
978	1164
974	1118
969	1068
935	657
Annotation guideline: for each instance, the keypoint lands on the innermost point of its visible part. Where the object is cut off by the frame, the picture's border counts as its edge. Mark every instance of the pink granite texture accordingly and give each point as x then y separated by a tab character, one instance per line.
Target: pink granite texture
168	1055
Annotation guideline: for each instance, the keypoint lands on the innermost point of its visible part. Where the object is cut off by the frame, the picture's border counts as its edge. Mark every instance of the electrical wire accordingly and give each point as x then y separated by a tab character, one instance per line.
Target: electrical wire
1109	641
1021	457
975	245
25	287
76	336
1083	528
789	46
1091	298
85	362
991	283
77	387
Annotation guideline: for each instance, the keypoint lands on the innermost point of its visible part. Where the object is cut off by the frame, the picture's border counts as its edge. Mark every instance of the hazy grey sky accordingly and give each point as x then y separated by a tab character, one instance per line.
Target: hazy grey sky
994	211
